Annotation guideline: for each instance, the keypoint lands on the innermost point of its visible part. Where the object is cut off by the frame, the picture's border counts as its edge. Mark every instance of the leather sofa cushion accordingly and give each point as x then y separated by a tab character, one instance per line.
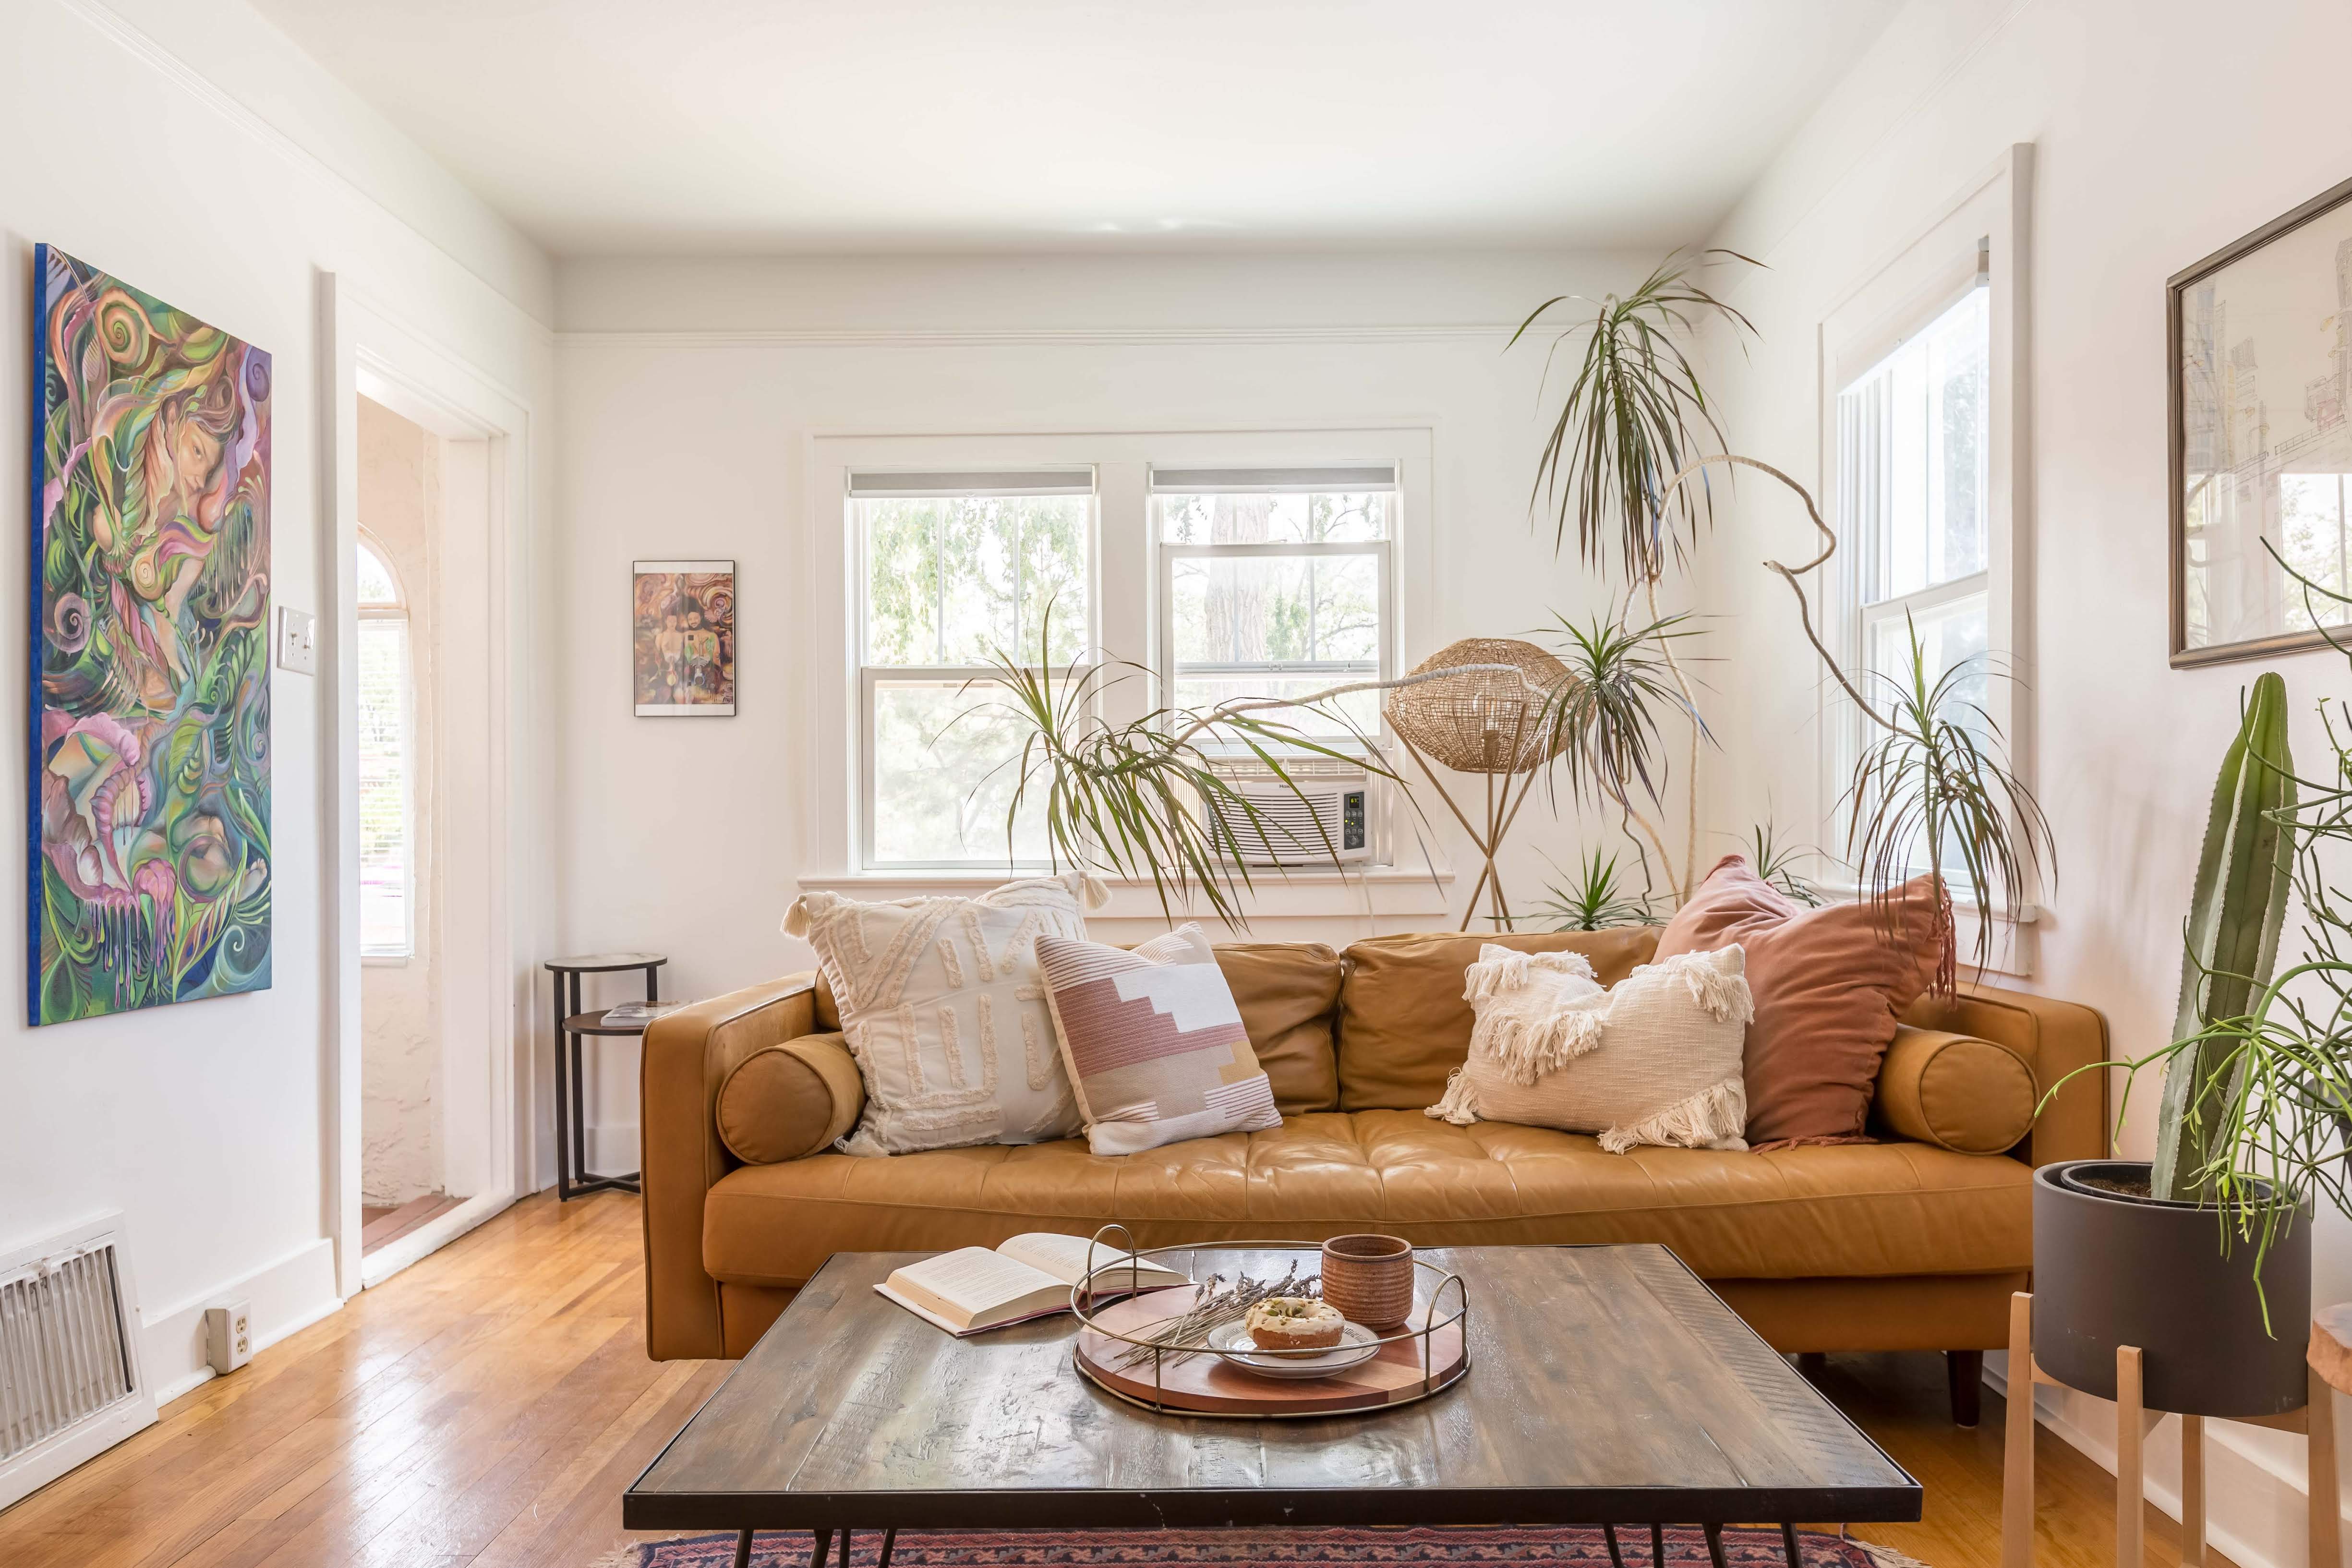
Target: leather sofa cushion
1955	1091
1288	993
1404	1024
1860	1210
786	1100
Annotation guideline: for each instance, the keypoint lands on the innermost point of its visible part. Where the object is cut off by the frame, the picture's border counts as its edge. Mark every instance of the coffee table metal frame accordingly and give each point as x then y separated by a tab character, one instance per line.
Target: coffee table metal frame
1606	1506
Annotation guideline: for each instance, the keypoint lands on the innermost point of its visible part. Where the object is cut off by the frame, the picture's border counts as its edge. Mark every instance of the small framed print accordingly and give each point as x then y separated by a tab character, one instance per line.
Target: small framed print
682	639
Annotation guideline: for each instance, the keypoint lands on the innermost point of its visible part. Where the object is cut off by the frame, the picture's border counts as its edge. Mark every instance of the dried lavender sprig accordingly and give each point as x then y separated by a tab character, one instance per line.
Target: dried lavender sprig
1212	1310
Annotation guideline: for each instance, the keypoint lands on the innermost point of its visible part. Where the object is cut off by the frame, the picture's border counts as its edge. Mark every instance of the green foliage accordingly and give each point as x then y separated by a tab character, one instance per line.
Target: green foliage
1605	714
1140	799
1594	898
1932	780
1777	865
1634	415
2235	913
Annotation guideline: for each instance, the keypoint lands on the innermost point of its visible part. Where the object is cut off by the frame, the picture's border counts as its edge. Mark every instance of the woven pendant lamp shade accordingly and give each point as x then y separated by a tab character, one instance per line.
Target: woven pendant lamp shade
1482	721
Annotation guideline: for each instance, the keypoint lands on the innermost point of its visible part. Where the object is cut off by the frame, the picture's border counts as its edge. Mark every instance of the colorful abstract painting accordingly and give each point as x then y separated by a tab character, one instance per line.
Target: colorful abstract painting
682	639
149	711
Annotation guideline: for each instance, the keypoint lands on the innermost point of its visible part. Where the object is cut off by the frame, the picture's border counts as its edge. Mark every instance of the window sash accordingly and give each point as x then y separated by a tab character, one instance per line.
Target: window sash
870	678
1340	670
396	620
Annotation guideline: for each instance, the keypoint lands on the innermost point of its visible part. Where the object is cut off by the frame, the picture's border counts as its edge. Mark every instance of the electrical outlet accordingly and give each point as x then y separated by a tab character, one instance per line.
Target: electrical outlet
228	1335
297	648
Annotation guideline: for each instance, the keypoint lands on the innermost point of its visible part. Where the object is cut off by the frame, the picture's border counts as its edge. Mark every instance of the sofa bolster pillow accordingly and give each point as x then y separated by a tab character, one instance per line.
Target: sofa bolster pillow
787	1101
1955	1091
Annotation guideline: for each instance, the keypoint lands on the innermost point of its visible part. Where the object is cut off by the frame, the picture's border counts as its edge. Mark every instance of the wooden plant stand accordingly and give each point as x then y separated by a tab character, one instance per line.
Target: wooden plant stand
2330	1360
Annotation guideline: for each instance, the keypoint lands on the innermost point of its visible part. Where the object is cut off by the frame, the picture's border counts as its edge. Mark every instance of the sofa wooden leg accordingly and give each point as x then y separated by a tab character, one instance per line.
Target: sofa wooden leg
1965	1370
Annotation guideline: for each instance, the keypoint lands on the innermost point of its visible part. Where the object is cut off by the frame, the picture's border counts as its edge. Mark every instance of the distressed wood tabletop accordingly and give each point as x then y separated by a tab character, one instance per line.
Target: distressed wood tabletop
1607	1385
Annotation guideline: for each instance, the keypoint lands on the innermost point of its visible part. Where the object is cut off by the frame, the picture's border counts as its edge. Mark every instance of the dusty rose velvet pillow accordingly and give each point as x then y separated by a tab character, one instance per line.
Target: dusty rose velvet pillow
1828	985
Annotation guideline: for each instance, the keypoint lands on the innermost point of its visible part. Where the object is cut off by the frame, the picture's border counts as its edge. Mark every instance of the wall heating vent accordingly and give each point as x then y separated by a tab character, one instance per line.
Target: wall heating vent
70	1379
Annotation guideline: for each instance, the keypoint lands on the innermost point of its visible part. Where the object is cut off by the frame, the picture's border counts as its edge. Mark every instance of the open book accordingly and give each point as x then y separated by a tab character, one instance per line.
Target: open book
1030	1276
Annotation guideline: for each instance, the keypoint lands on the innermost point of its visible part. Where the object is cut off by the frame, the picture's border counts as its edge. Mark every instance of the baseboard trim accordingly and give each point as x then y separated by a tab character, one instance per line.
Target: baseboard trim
288	1296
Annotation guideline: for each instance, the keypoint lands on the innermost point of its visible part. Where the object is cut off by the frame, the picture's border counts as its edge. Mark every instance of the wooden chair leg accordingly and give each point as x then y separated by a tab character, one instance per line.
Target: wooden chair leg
2319	1482
2131	1480
2192	1491
2017	1458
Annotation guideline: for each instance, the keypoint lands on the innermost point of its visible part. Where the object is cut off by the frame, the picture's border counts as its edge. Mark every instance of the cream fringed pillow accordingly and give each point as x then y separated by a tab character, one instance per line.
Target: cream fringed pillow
944	1010
1654	1061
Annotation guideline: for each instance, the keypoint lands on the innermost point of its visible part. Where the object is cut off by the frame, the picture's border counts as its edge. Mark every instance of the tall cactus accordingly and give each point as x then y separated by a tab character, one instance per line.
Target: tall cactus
2234	916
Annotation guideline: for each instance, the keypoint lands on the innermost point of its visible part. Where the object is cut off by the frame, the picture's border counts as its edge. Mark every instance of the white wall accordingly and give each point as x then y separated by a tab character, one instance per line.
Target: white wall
2162	129
401	1097
692	391
208	1123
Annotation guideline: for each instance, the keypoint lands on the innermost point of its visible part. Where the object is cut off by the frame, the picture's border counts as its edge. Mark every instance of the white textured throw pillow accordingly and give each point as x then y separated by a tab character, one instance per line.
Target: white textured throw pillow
944	1010
1656	1060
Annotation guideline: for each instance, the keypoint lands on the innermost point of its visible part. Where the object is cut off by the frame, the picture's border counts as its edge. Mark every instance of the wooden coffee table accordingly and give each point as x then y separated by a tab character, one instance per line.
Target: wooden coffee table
1607	1387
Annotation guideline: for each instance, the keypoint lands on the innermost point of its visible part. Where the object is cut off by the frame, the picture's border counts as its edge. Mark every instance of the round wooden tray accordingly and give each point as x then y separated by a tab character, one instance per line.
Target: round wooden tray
1210	1386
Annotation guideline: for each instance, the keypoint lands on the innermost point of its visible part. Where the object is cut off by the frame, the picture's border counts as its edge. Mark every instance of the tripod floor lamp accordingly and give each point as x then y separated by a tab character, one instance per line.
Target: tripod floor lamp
1486	721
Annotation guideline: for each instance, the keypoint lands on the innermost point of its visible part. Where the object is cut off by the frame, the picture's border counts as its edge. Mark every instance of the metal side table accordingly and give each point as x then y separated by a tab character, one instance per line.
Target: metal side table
571	1178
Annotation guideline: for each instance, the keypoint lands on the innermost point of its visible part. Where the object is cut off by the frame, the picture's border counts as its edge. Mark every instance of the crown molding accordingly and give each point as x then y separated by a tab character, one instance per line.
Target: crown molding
1046	336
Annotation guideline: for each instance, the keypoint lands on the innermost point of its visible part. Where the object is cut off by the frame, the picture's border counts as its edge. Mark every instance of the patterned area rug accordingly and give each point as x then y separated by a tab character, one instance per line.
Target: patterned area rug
1456	1548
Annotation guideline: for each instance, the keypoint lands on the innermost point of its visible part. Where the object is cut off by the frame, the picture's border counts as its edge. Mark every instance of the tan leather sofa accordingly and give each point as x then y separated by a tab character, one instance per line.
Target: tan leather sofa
1911	1242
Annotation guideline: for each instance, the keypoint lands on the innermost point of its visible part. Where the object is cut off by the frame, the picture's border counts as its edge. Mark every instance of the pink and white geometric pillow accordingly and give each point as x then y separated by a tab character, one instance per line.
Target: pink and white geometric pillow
1153	1042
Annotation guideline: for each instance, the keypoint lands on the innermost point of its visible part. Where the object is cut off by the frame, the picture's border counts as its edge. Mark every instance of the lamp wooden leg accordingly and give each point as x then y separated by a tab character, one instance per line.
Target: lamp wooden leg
2319	1482
2192	1491
2017	1460
2130	1478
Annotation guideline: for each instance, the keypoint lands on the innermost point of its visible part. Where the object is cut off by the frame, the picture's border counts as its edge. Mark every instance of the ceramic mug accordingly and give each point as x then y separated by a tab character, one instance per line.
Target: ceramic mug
1369	1279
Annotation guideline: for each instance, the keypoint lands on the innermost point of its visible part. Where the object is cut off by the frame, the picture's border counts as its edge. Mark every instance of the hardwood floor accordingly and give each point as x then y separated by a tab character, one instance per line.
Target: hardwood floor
484	1408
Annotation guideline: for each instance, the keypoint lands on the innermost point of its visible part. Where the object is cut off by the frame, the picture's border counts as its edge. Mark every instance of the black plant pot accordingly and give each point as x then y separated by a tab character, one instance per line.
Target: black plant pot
2110	1270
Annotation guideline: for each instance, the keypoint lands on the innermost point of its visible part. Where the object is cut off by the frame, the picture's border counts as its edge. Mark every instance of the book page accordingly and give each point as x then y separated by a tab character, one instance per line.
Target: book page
1065	1258
972	1282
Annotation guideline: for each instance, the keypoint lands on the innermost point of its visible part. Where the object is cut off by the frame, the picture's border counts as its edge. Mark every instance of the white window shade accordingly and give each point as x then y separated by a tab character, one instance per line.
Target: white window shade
889	485
1259	481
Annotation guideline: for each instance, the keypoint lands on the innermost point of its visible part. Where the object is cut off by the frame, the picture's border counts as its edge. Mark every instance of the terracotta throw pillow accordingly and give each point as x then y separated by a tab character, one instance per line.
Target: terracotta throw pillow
1153	1042
1653	1059
1830	986
942	1006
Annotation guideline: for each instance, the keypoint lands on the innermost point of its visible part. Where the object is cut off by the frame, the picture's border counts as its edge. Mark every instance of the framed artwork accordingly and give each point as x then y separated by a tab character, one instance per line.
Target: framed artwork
149	712
682	639
2260	347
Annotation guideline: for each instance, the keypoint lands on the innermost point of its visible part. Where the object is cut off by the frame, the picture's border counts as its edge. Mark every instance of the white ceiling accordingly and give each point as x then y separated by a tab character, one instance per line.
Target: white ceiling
700	126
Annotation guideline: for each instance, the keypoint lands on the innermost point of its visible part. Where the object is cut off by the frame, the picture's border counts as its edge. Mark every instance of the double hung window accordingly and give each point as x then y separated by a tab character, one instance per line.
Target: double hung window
960	570
1275	583
387	762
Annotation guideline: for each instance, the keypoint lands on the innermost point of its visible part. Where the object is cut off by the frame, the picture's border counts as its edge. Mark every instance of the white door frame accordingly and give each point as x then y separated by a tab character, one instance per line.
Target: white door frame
367	351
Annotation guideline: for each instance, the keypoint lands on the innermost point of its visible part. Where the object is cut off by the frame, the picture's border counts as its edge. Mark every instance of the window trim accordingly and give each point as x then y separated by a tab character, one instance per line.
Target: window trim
827	551
398	612
1983	230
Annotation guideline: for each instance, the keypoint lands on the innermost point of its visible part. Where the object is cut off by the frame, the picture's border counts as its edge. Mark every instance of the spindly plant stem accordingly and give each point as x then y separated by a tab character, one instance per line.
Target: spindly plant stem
1685	883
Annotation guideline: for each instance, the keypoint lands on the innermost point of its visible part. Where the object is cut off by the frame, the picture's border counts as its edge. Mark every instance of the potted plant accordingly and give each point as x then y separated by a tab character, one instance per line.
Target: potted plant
2202	1256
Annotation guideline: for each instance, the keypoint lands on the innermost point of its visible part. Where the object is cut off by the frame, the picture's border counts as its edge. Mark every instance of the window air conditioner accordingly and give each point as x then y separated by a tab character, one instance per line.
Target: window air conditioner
1322	813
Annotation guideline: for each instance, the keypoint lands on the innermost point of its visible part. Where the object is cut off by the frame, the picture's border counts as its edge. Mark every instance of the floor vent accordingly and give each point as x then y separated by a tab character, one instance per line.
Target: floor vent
69	1377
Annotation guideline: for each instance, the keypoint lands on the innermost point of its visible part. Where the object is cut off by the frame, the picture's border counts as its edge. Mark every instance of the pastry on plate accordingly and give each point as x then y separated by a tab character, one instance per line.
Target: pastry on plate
1294	1324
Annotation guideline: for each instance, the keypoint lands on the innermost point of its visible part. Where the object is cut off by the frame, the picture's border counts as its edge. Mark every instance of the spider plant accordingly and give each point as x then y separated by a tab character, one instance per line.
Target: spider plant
1933	777
1592	898
1606	712
1142	799
1777	865
1634	413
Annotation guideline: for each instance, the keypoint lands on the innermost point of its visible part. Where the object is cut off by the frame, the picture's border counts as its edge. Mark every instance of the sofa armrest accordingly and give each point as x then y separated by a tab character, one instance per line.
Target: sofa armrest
2053	1039
1955	1091
688	1055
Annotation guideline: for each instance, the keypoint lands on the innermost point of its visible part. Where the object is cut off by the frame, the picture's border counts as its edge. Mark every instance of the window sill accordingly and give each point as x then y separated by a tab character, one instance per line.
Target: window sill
1274	894
385	960
2021	914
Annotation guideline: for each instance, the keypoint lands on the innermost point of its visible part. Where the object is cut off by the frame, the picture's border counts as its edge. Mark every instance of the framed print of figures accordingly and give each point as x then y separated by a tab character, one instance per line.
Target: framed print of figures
682	639
2261	360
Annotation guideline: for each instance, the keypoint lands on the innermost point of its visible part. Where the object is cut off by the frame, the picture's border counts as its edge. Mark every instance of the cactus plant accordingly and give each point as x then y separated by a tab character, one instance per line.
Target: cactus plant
2235	913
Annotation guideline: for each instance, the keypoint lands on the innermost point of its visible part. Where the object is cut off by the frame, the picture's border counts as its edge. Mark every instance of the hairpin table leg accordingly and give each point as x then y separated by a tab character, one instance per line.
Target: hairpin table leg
889	1539
823	1545
1658	1545
742	1547
1714	1544
1616	1558
1788	1545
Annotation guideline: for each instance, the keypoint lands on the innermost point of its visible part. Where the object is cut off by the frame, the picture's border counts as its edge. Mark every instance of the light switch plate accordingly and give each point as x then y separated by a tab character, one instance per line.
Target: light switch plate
297	648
